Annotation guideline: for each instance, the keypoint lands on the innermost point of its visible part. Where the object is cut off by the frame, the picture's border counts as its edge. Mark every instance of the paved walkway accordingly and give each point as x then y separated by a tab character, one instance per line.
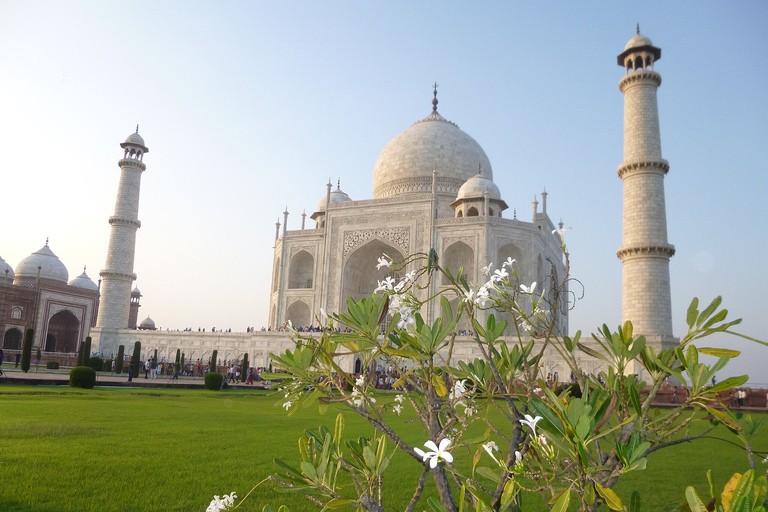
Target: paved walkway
45	377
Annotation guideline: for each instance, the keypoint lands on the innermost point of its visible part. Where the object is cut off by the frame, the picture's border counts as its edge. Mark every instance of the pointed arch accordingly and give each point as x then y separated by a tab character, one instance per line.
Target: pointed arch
458	255
472	212
276	275
360	277
64	327
301	270
299	315
12	339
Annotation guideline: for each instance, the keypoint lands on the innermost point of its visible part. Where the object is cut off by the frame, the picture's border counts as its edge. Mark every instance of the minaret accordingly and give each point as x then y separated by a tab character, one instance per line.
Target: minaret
644	251
117	276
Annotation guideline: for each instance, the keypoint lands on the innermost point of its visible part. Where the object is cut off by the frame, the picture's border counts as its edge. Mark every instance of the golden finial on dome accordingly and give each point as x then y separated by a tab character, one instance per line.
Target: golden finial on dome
434	99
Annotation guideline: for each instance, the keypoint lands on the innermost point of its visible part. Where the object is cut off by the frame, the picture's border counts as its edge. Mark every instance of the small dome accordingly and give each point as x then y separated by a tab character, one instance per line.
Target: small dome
638	41
135	138
337	196
147	324
3	267
50	266
83	281
135	291
477	186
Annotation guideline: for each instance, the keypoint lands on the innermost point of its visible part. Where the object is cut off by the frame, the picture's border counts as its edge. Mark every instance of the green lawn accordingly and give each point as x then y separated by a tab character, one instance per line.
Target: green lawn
148	450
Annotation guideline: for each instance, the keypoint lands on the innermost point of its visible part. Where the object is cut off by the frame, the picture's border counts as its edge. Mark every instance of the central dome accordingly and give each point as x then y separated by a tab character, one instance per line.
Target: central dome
405	165
50	266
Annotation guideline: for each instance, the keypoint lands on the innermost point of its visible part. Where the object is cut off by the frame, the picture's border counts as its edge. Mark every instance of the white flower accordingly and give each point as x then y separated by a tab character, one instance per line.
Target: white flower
410	276
483	297
525	289
360	381
525	324
469	295
387	283
499	274
508	263
406	318
398	409
765	460
458	390
384	262
487	269
531	422
518	458
287	405
222	503
542	440
399	398
489	447
436	452
469	411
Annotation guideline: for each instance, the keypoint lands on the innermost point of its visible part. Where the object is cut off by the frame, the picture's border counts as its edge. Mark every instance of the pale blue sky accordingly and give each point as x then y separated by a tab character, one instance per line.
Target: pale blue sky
249	107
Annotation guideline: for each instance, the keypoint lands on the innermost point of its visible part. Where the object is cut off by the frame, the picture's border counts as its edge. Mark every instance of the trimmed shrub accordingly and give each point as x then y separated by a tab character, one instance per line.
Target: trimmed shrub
182	359
213	360
96	363
120	358
82	377
52	365
26	350
136	358
213	381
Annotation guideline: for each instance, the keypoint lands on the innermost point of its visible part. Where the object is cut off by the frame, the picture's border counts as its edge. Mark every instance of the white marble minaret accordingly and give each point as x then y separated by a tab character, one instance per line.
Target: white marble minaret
117	276
644	251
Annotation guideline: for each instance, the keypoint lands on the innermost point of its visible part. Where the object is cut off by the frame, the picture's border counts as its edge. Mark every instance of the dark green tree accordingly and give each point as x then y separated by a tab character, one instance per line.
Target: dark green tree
119	360
213	360
155	357
178	359
81	354
136	358
244	368
182	359
87	351
26	350
38	357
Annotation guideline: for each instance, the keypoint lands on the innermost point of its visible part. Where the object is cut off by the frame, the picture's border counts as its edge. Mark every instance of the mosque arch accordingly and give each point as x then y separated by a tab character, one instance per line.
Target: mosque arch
12	339
273	316
458	255
511	250
65	328
460	214
299	315
50	343
360	277
16	313
301	270
472	212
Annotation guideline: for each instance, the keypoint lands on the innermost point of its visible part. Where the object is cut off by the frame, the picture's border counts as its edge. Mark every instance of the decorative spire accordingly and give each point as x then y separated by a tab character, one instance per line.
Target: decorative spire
434	99
514	213
46	241
83	269
338	184
638	29
479	169
137	128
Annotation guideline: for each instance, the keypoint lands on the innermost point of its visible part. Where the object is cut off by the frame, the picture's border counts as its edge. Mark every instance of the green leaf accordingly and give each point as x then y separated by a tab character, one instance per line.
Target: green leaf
693	312
489	473
609	497
309	470
694	502
561	505
435	505
719	352
338	503
634	502
635	398
723	417
729	383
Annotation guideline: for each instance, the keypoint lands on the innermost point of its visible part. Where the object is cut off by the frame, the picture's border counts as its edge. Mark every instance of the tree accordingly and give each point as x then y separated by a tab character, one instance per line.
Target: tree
136	358
26	350
178	360
119	361
548	442
87	350
244	368
213	366
38	356
81	354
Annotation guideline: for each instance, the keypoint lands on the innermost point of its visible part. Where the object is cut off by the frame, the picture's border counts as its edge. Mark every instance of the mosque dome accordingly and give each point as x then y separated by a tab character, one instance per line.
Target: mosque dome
83	281
50	266
5	266
405	165
638	41
477	186
135	291
337	196
147	324
135	138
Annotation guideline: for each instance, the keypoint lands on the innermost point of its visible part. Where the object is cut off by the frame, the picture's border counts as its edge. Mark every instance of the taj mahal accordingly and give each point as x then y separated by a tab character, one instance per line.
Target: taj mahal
433	189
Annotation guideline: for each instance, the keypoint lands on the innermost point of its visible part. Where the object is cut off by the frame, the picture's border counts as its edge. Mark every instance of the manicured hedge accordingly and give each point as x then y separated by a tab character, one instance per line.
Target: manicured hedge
213	380
82	377
52	365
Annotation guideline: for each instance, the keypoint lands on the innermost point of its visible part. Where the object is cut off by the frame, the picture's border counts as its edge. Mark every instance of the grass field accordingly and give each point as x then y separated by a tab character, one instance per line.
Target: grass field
104	450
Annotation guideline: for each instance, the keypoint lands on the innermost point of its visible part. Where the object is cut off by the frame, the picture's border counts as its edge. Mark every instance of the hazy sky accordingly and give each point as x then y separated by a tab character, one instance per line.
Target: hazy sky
249	107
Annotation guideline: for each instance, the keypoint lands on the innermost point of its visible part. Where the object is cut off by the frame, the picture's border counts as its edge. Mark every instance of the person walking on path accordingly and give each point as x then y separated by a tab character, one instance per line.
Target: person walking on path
153	368
232	371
